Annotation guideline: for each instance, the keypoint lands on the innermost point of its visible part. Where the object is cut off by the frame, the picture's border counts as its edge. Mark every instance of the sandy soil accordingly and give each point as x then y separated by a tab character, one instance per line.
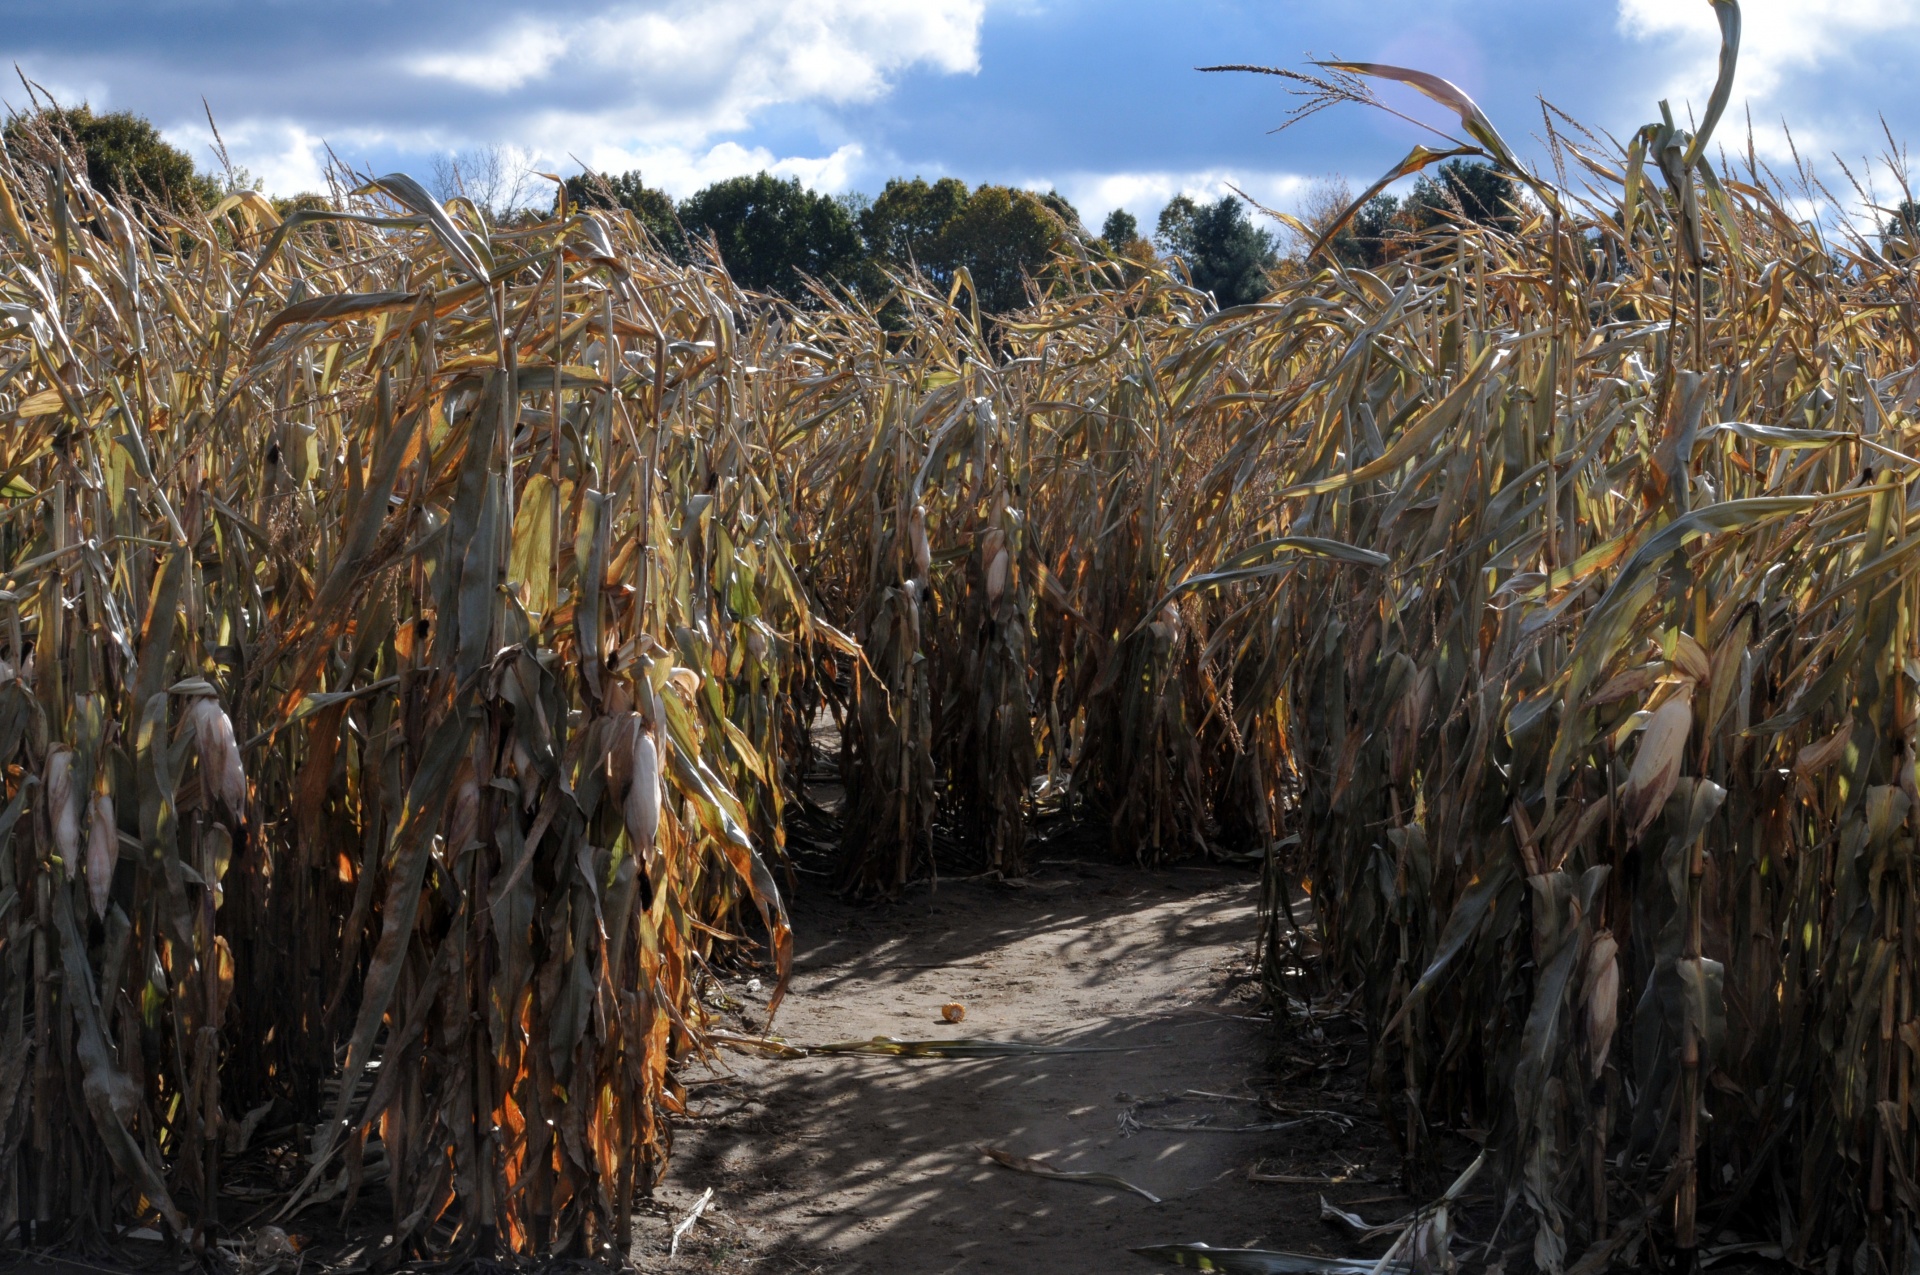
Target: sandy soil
861	1164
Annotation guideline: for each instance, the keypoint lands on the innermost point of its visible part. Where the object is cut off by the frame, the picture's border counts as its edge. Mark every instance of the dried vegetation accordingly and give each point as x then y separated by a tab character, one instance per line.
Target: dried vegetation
414	630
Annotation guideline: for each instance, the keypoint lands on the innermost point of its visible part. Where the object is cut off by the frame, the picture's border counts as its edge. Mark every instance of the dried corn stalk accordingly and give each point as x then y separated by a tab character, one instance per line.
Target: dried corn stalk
338	550
1607	772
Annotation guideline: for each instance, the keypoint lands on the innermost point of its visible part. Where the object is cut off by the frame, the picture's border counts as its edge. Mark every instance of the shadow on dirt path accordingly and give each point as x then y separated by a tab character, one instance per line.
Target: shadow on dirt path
862	1164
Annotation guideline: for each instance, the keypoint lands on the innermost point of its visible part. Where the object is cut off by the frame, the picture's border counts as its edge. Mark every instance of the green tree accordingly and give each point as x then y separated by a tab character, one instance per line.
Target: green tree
1479	192
1003	237
1224	252
1120	231
1375	235
651	207
1062	208
903	226
1000	235
125	155
771	233
306	201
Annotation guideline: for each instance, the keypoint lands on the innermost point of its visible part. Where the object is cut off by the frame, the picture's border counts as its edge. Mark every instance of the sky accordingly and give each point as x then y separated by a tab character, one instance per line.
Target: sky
1096	98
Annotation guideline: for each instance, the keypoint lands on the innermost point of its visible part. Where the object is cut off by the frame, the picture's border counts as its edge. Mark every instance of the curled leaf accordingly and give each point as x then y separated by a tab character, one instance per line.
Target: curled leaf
1448	94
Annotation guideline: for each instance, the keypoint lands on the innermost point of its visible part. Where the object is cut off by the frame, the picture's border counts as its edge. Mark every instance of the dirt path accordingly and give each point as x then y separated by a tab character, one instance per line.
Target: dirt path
860	1164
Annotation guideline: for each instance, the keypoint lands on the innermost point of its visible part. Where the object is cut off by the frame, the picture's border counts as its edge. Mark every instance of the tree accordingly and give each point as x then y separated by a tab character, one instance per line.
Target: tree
1385	226
125	155
1224	253
1120	235
1000	235
1120	231
1325	202
771	233
903	226
495	179
1004	236
1060	207
1376	235
1479	192
652	208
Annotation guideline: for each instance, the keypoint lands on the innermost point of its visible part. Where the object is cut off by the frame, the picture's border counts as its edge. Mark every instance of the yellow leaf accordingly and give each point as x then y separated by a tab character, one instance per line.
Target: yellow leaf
530	564
46	403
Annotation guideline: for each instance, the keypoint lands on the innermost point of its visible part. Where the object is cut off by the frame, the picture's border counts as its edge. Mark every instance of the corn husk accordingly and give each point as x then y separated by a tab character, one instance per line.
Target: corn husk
63	807
103	852
997	578
917	536
642	806
1600	998
1656	766
219	753
684	680
1690	658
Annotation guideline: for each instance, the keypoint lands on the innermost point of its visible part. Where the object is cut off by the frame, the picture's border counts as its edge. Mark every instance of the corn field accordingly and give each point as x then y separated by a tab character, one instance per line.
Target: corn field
1607	786
416	631
394	626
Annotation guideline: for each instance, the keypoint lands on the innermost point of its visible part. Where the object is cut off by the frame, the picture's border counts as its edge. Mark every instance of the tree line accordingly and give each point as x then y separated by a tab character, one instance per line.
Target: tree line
776	235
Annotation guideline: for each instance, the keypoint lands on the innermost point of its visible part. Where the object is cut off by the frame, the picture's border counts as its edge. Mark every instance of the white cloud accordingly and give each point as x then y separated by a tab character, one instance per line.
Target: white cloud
505	61
284	156
1782	41
681	170
662	84
832	173
683	72
677	89
1144	194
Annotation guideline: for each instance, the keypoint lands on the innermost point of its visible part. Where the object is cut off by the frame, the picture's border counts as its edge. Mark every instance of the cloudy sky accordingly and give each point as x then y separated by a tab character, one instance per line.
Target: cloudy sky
1095	97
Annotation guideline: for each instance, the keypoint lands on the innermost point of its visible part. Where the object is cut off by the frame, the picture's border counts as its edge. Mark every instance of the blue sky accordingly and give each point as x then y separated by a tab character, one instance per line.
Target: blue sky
1095	97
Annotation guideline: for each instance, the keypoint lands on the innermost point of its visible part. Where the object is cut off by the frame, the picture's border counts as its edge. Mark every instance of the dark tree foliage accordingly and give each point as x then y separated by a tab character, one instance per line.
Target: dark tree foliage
125	155
1372	238
1058	204
1224	252
903	226
652	208
1481	192
1004	237
306	201
1385	226
1120	230
775	234
1000	235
